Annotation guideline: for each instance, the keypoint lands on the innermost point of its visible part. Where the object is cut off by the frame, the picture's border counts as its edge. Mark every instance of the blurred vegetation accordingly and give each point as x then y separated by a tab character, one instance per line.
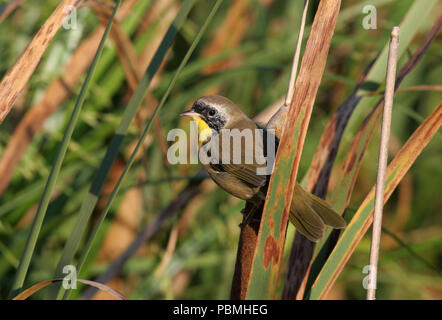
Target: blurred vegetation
245	55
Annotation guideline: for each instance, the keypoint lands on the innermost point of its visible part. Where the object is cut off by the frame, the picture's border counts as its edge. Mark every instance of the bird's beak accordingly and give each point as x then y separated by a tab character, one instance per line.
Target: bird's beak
190	113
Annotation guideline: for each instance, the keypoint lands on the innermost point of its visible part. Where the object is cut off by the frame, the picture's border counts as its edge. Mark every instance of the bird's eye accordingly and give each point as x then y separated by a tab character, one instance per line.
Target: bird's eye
212	112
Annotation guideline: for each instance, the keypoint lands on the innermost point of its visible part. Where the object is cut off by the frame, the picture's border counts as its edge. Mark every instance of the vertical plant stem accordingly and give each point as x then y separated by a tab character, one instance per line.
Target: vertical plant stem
382	163
55	170
291	88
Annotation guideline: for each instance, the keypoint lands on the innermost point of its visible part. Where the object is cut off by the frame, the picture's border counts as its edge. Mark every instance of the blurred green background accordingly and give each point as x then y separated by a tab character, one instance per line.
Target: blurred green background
245	55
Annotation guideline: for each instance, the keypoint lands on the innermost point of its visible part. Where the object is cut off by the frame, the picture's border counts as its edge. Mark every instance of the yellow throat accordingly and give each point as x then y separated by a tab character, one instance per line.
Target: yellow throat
204	131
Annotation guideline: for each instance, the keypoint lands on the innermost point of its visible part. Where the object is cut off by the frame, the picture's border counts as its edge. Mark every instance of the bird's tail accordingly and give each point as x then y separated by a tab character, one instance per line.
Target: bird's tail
311	215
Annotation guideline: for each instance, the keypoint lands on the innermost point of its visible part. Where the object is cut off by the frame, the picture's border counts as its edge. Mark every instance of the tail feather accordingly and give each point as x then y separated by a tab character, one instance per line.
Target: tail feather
310	215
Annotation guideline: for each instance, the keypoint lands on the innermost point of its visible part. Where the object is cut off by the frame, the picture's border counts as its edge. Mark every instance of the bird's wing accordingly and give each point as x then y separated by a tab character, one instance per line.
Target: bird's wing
246	173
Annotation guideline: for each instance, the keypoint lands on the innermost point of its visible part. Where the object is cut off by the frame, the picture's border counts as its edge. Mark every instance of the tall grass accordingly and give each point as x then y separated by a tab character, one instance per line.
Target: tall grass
55	170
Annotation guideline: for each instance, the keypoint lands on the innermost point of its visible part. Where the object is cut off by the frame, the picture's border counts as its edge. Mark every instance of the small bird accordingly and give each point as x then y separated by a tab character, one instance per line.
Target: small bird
309	214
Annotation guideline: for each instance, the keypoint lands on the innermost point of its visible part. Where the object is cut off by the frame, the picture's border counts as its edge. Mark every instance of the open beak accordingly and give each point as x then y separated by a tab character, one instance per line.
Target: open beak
190	113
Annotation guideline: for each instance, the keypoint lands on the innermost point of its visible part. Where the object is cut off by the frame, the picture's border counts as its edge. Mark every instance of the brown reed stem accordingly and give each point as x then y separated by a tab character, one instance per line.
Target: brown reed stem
382	163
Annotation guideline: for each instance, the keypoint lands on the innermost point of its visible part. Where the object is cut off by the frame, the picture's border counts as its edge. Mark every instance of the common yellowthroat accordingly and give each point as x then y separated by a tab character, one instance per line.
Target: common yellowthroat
309	214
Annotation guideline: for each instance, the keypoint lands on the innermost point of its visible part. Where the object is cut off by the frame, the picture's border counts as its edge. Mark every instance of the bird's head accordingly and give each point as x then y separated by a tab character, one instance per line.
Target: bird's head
213	112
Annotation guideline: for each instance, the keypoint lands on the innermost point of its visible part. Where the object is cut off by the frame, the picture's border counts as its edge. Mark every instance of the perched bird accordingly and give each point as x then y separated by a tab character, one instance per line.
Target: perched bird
309	214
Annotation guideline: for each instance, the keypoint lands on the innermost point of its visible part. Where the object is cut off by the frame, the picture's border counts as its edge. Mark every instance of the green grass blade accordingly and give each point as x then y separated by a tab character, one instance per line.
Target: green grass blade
52	179
112	151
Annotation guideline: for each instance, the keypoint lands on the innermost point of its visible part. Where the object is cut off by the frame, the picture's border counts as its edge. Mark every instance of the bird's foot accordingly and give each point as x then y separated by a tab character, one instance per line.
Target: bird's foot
254	220
248	217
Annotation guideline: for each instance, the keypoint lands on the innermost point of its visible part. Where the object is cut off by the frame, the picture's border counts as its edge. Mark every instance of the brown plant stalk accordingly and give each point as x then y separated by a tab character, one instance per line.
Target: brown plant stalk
15	80
383	158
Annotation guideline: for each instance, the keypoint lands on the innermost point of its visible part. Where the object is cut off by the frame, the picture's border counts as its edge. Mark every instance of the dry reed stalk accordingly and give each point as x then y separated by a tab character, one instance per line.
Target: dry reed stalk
382	163
15	80
294	71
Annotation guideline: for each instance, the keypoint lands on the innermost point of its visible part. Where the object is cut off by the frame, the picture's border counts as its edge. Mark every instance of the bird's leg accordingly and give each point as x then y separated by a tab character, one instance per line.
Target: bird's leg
248	216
